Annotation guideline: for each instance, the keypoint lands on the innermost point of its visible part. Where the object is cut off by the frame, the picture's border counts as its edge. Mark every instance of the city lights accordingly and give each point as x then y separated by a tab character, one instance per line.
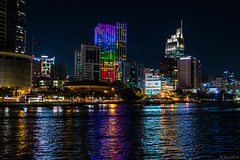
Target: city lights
119	80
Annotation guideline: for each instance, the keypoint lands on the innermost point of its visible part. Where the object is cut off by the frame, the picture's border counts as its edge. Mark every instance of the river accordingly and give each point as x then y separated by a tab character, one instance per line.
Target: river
112	131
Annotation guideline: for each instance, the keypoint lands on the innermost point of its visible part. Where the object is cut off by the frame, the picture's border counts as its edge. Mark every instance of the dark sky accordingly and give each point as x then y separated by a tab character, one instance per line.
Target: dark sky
211	29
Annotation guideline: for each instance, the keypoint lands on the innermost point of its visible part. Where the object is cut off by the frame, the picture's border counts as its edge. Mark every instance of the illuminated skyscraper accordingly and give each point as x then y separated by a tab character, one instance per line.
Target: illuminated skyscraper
113	41
228	76
168	69
43	67
88	62
3	24
175	45
131	74
189	73
12	26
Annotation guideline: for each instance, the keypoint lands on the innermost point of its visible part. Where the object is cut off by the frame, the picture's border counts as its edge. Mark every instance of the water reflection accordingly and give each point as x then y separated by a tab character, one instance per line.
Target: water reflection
6	131
57	109
171	131
168	133
25	109
150	141
21	134
47	134
112	146
67	138
39	109
6	112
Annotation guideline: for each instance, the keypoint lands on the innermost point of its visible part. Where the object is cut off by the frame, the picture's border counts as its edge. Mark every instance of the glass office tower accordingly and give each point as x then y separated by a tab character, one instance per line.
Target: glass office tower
13	26
175	45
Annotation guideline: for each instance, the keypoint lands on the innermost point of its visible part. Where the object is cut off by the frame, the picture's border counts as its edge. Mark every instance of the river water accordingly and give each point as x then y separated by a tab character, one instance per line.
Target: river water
169	131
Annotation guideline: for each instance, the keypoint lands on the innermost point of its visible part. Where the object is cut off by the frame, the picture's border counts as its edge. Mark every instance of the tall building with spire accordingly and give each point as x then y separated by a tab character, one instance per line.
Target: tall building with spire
12	26
113	42
174	49
175	44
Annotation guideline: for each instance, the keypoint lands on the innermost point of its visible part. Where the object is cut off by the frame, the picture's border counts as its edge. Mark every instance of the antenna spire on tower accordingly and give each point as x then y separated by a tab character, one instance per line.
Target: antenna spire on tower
181	28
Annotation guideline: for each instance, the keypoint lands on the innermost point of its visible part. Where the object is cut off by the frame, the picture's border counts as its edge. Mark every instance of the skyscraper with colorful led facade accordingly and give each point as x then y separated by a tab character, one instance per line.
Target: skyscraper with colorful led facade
113	42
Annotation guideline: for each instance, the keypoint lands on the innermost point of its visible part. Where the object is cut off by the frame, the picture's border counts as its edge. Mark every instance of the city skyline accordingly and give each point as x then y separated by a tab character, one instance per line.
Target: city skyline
149	27
140	82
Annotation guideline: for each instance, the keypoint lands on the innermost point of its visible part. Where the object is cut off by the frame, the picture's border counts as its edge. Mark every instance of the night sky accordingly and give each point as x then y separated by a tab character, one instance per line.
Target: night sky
211	29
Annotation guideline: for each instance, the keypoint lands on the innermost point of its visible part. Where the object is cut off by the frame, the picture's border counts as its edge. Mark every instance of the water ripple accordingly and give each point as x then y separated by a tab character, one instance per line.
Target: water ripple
170	131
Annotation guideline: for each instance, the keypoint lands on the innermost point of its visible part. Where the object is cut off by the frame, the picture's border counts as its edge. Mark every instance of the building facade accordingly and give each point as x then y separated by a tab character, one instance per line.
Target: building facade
189	73
60	71
220	84
207	82
89	85
228	76
151	70
168	70
88	63
113	42
15	70
13	26
42	68
234	87
131	74
152	84
175	45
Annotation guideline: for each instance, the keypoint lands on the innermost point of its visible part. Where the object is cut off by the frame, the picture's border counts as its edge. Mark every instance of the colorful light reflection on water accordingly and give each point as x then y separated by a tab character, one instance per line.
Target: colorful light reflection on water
170	131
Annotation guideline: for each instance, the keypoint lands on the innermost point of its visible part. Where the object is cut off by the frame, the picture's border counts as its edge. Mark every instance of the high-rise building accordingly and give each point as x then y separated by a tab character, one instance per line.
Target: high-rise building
189	73
3	24
228	76
43	67
60	71
113	41
234	87
131	74
220	84
12	26
46	64
88	62
175	45
168	70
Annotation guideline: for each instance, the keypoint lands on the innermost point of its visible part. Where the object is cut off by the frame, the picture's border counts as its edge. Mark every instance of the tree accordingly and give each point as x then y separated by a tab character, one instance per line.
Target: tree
129	95
118	88
98	94
201	95
138	93
179	91
6	91
69	93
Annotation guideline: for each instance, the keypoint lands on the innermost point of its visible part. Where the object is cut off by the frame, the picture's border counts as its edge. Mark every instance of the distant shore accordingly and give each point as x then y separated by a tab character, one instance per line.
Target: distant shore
4	104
